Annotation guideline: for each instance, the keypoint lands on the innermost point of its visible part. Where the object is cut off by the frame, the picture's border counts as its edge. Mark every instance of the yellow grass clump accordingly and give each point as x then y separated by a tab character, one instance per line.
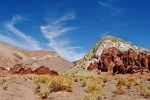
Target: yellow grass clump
44	93
93	85
58	83
145	88
95	96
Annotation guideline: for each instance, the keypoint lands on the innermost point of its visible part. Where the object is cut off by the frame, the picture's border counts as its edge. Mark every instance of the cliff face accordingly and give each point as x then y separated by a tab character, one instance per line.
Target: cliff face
114	55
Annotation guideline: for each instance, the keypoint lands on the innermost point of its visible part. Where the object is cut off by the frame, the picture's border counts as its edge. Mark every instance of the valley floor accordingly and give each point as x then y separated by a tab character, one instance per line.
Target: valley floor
30	87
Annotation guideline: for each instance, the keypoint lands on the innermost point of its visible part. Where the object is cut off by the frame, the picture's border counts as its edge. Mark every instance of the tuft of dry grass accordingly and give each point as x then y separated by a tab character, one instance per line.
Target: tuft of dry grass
58	83
5	86
145	89
2	81
93	85
95	96
44	93
38	86
106	78
119	90
121	81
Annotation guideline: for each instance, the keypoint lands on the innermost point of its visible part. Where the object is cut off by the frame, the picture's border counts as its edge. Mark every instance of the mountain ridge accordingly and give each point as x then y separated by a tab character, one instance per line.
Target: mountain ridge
94	55
10	56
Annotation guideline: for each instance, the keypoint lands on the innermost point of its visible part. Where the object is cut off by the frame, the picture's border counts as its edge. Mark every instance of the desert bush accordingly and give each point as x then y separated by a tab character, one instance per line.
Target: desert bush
132	81
42	79
55	83
119	90
38	86
106	79
95	96
5	86
121	81
44	93
84	82
93	85
145	88
58	83
13	79
2	81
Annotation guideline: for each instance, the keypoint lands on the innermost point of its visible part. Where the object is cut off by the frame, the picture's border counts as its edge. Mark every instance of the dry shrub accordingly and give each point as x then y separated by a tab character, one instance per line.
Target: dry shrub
44	93
132	81
121	81
106	78
42	78
119	90
93	85
58	83
2	81
95	96
5	86
145	88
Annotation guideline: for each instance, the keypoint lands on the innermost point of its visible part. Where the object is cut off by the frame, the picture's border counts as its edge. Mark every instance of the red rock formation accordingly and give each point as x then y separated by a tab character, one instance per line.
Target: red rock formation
3	71
113	60
25	70
15	69
44	70
93	66
18	69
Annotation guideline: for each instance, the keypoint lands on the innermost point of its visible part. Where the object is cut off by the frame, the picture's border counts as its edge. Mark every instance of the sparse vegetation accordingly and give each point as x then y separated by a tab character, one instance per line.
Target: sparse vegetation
59	83
145	88
2	81
119	90
95	96
38	86
93	85
44	93
121	81
56	83
106	79
5	86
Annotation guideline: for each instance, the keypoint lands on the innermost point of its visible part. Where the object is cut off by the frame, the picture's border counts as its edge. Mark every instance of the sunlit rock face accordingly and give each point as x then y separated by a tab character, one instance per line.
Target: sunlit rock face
114	60
113	55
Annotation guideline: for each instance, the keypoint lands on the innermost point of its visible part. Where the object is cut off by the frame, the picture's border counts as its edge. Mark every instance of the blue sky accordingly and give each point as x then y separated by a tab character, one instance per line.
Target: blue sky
72	27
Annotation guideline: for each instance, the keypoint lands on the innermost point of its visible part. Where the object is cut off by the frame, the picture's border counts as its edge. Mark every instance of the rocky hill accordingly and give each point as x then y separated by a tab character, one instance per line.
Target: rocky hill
11	56
113	55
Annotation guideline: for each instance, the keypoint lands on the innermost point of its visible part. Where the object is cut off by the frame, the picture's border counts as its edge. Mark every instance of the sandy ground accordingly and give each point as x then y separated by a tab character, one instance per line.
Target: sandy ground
21	89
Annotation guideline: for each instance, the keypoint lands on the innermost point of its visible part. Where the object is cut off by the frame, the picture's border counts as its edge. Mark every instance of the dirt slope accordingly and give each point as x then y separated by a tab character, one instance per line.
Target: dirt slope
10	56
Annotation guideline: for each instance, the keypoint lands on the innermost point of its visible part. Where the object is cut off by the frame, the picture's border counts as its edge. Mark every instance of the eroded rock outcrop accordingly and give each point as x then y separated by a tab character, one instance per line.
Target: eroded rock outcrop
45	70
113	60
19	69
3	71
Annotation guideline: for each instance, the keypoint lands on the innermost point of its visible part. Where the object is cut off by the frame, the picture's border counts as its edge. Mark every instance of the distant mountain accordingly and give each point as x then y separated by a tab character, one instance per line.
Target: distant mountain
10	56
113	55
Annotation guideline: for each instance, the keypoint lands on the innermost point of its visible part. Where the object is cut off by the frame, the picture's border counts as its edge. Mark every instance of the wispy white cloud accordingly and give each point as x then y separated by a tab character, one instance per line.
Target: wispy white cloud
102	4
113	10
117	11
54	32
23	40
104	34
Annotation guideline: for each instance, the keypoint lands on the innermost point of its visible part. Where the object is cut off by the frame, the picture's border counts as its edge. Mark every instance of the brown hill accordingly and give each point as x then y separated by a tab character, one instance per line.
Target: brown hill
10	56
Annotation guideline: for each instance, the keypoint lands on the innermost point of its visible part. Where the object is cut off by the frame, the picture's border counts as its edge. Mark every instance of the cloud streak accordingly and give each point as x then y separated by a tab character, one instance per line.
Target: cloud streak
18	38
102	4
113	10
54	32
